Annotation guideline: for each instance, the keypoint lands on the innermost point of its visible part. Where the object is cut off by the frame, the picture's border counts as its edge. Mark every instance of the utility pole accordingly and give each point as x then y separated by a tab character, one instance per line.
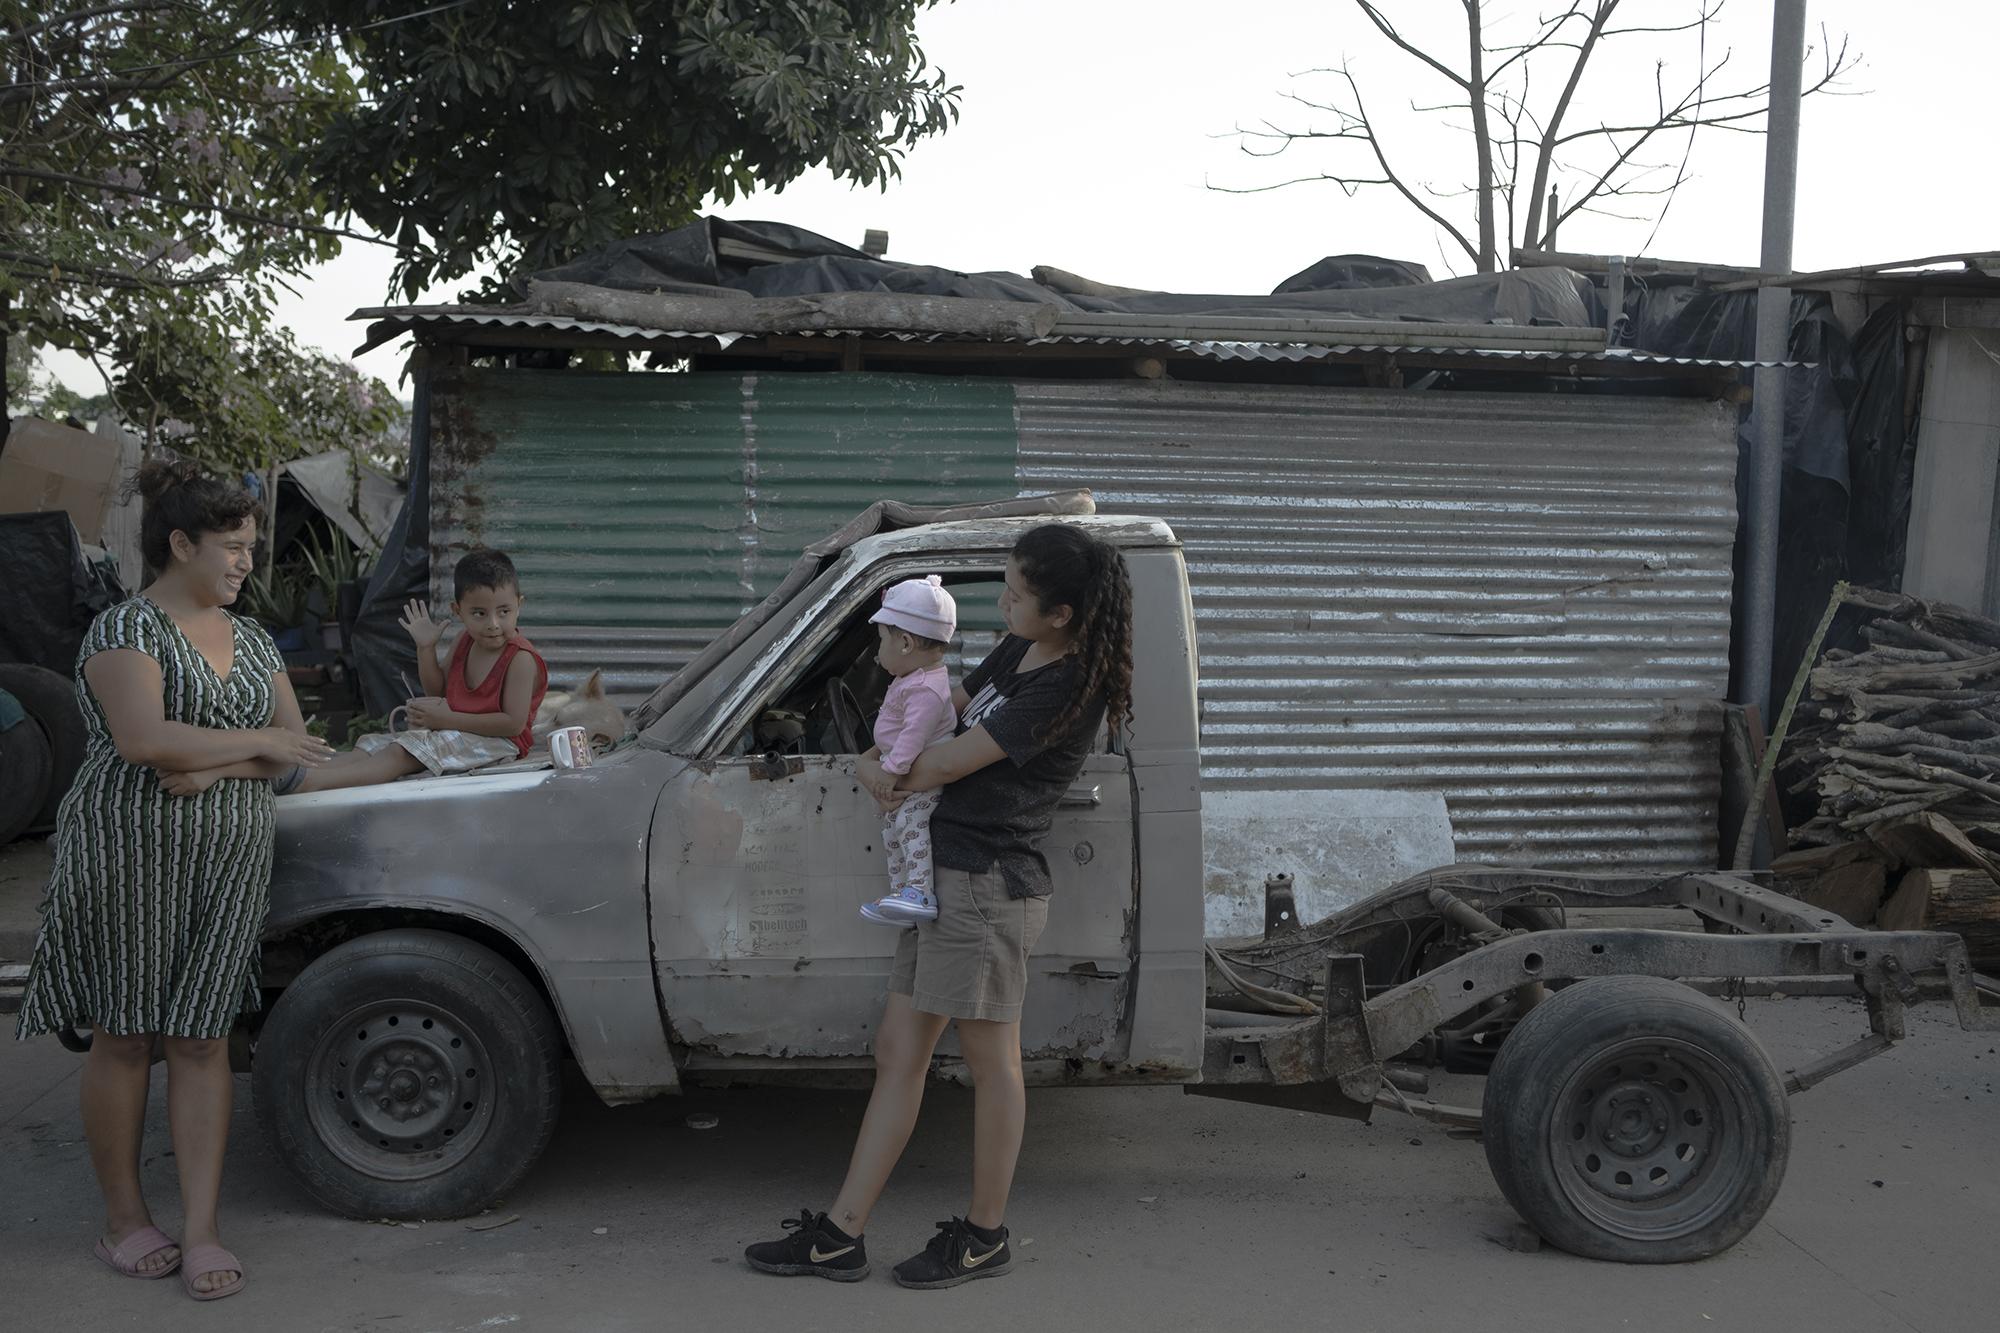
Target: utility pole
1774	307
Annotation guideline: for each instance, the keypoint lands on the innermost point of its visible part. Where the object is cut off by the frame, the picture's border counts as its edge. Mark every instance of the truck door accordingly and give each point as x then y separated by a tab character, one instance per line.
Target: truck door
762	857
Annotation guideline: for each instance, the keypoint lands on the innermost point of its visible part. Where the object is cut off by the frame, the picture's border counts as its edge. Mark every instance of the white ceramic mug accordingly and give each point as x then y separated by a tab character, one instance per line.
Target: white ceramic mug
570	747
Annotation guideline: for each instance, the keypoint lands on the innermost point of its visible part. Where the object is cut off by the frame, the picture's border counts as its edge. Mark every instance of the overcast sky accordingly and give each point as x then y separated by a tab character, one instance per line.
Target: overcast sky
1092	132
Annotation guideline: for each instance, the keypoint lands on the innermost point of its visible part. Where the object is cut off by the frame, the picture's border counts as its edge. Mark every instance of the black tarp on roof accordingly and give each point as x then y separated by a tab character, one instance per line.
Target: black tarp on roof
717	257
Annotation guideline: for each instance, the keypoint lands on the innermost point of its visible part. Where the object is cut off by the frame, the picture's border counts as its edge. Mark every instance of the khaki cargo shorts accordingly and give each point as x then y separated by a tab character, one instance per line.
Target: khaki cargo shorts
972	962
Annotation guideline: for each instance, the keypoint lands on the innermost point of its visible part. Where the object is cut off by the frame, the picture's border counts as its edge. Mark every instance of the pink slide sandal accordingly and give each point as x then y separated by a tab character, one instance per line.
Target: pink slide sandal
205	1259
135	1249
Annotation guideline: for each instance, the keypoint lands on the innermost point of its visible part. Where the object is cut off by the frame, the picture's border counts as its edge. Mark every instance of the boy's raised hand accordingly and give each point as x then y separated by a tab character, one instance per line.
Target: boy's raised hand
418	623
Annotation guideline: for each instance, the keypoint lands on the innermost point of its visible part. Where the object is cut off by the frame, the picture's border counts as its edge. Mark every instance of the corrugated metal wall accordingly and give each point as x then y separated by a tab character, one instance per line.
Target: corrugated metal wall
1521	601
647	512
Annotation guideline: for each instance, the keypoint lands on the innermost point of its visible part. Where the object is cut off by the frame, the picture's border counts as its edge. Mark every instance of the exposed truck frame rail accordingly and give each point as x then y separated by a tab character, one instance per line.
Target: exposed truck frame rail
1357	1036
1624	1116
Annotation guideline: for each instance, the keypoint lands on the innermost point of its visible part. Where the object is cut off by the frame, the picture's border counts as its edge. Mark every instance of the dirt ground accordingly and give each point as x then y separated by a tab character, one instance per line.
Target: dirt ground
1135	1209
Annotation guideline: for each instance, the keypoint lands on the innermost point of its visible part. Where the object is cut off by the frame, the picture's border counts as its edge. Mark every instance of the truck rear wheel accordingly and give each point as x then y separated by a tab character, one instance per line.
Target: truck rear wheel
408	1074
1627	1119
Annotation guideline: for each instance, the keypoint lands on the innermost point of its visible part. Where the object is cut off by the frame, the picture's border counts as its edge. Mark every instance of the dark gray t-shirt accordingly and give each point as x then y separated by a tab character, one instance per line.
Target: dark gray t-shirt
997	817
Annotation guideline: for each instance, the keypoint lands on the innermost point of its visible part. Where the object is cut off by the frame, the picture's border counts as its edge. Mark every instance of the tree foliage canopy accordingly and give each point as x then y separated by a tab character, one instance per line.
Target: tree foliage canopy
166	166
519	135
146	176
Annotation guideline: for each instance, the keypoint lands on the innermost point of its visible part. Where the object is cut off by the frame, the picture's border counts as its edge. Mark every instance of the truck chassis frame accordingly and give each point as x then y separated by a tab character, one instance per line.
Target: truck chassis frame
1351	1047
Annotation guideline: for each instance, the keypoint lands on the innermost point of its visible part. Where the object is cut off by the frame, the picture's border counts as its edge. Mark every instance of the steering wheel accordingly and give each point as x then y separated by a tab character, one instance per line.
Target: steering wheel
845	710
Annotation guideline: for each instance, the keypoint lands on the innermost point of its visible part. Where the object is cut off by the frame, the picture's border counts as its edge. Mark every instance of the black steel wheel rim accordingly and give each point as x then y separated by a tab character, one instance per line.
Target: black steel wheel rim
400	1090
1649	1138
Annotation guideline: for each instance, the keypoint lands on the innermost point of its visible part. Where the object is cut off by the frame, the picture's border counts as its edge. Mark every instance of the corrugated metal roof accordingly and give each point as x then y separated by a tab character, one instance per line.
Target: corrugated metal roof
1608	356
1520	601
1282	351
390	326
1277	351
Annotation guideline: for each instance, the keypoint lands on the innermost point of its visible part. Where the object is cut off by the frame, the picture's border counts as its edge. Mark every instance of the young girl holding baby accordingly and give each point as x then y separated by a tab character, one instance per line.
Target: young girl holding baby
1029	716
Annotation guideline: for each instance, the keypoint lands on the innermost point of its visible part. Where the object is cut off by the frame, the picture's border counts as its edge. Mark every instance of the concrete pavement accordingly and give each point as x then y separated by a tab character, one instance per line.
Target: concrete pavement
1135	1209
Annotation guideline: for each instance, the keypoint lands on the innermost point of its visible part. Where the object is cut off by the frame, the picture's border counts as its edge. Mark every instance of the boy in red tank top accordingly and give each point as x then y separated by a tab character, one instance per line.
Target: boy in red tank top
477	710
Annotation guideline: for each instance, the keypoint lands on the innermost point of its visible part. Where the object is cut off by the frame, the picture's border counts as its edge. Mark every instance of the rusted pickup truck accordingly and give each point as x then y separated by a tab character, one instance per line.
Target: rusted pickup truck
685	910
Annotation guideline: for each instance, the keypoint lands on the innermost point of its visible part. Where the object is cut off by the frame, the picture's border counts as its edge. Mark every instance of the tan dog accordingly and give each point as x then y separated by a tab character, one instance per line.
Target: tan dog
586	708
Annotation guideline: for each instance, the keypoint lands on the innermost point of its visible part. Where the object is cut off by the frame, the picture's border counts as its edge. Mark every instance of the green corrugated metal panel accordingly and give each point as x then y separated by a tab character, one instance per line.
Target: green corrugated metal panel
645	512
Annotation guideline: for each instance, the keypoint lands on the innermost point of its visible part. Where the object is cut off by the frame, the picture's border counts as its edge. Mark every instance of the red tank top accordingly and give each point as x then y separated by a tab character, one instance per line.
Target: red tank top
460	696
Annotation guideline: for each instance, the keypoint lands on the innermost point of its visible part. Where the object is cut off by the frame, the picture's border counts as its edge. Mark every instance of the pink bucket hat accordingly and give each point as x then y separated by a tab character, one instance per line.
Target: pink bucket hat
921	606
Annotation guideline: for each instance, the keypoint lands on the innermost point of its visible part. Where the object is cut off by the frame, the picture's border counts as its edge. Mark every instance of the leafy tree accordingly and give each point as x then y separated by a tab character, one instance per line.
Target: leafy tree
246	405
22	385
44	395
146	176
517	135
166	165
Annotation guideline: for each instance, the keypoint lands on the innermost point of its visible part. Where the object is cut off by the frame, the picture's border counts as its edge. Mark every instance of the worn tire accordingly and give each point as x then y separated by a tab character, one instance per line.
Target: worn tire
50	699
24	778
1627	1119
408	1074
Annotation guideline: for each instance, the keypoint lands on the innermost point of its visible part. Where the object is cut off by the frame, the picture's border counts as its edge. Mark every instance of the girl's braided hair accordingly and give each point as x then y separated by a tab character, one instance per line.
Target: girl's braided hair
1066	566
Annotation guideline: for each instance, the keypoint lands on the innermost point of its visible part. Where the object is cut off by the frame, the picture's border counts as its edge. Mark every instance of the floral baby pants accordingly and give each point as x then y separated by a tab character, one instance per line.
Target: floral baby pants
906	834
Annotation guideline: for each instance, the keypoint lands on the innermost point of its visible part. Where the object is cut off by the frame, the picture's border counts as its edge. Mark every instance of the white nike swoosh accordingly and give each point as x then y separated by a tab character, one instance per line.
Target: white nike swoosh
819	1258
970	1262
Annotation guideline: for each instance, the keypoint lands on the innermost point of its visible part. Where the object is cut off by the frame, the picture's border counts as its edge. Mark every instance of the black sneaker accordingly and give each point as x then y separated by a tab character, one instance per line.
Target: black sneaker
813	1249
955	1255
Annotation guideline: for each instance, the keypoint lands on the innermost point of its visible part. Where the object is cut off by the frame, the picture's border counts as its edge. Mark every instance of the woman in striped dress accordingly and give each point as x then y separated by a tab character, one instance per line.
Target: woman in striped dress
157	899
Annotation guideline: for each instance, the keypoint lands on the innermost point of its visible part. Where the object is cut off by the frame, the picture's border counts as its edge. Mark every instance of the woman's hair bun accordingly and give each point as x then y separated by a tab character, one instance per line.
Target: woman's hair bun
161	476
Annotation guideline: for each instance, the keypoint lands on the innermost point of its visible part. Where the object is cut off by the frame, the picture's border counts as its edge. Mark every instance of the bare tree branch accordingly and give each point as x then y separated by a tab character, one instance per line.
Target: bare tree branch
1518	146
1382	159
1482	136
1687	151
1389	30
1348	184
1531	230
241	215
44	266
1547	38
55	21
1679	118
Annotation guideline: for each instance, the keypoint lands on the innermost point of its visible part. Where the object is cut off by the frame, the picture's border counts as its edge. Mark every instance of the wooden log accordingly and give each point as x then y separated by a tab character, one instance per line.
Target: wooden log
1849	760
1907	806
1883	602
1905	677
1909	636
1964	902
1894	656
1852	891
889	312
1965	704
1808	865
1932	840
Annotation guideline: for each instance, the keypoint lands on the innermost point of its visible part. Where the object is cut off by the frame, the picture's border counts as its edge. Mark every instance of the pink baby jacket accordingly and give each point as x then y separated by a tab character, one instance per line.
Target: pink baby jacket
916	714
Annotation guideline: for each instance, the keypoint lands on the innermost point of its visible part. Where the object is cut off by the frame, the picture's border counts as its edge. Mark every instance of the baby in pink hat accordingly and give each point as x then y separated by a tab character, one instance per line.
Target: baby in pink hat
916	623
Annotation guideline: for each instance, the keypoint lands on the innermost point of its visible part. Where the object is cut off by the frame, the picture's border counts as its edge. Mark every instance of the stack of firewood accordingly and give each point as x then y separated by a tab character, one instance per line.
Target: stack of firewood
1908	725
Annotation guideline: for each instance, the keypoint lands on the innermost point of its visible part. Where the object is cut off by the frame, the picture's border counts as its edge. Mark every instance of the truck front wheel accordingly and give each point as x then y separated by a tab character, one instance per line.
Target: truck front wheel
1627	1119
408	1074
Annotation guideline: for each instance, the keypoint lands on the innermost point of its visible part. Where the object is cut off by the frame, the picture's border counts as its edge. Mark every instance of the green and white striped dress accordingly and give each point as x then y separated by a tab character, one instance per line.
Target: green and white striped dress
157	901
